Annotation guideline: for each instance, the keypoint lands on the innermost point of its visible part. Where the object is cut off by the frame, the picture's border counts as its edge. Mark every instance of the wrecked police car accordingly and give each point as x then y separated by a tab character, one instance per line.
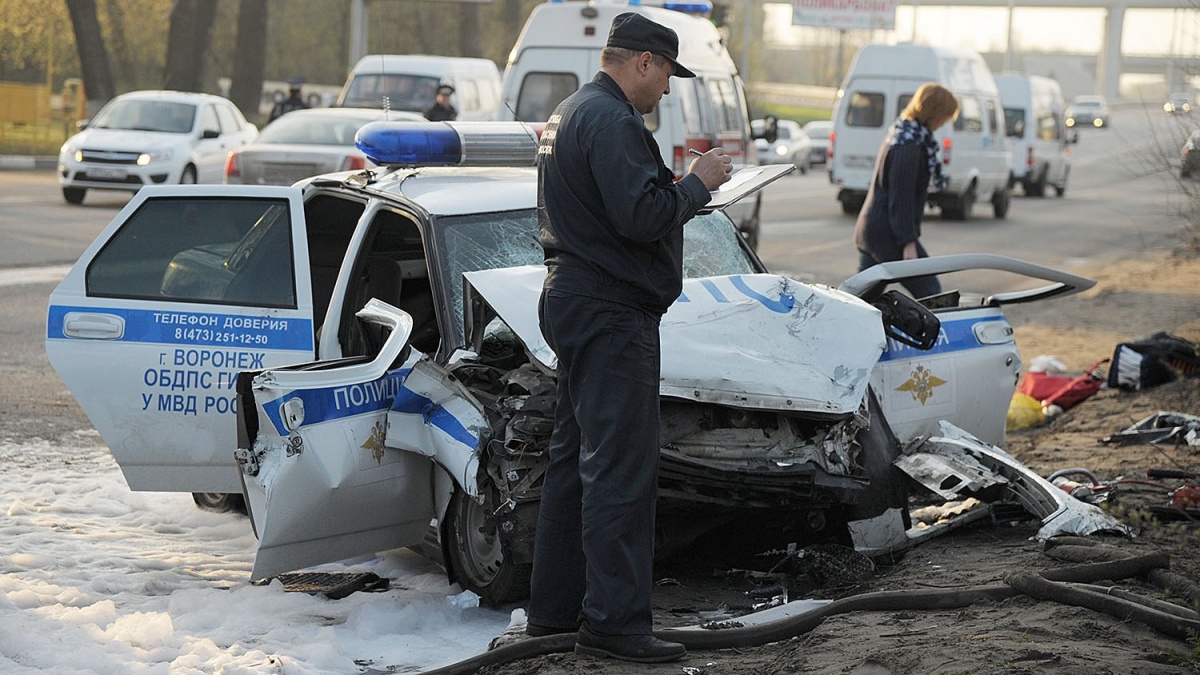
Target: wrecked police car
359	356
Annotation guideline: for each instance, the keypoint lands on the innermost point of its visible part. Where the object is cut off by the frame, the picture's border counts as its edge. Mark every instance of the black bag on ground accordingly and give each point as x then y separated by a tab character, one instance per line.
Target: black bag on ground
1153	360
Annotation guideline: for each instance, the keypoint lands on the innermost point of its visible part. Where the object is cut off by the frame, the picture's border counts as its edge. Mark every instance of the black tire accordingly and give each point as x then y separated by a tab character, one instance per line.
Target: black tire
475	552
189	176
852	206
1061	188
1001	200
960	208
888	485
220	502
1038	187
74	195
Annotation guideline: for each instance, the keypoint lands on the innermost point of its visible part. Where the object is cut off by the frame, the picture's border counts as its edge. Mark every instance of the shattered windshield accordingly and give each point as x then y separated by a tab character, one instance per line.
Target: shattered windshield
510	239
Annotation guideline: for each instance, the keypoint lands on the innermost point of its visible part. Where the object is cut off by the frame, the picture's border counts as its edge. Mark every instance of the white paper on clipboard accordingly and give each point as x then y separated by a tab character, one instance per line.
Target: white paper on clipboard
745	181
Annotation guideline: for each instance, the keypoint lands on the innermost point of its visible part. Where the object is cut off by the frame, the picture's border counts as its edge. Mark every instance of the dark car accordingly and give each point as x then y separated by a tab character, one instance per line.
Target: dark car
1189	160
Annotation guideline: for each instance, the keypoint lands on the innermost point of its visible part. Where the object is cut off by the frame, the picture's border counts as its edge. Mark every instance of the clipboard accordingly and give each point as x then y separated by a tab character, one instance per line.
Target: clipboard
746	181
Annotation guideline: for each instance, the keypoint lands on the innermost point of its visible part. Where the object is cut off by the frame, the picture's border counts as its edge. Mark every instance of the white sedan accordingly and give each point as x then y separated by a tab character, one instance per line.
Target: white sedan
790	146
152	138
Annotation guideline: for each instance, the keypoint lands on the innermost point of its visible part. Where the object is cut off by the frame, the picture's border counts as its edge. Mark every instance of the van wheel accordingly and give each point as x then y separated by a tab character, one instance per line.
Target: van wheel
1001	200
220	502
74	195
960	209
1061	188
1038	187
475	551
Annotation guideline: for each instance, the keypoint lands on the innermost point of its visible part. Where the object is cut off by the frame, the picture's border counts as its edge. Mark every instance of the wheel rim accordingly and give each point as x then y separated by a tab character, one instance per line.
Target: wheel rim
479	542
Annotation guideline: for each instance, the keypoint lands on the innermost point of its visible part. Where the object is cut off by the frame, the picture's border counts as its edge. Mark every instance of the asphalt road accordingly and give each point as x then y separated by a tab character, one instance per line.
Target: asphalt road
1123	197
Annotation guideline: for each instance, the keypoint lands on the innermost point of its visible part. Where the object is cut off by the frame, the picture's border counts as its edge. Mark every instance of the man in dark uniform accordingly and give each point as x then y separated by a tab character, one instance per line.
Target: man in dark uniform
441	110
611	218
293	102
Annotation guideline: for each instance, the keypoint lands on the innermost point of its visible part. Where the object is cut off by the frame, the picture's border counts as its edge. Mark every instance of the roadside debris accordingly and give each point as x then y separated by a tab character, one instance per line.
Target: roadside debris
1152	360
1176	427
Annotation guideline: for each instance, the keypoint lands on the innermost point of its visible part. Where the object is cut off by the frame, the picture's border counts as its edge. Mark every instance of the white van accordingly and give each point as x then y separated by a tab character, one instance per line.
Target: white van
1035	123
558	51
975	153
410	82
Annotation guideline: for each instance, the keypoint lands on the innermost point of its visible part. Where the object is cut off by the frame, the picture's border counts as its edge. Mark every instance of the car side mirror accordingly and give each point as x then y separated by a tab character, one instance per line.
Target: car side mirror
81	124
210	133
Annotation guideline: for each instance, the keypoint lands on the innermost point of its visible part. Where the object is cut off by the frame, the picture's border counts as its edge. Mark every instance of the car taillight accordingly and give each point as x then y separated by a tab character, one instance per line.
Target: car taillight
946	150
353	163
829	153
233	168
1029	157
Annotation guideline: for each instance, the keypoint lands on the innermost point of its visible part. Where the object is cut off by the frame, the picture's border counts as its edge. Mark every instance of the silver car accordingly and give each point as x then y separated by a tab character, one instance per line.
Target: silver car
306	143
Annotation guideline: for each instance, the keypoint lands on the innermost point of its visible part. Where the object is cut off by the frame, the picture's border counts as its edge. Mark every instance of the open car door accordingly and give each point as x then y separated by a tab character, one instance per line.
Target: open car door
340	458
187	286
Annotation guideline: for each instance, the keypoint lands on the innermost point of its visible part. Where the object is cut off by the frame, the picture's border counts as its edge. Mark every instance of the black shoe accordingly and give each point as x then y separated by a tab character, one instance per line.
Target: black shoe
637	648
534	630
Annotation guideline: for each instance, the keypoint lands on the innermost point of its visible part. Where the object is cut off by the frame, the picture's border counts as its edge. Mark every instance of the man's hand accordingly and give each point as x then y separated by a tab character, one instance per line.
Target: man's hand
713	168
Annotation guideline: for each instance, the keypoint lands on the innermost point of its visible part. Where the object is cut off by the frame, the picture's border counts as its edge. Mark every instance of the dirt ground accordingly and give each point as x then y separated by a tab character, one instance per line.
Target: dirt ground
1015	635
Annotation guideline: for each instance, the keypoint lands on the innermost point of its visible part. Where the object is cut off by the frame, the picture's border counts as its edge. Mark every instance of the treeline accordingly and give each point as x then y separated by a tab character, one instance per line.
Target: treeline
117	46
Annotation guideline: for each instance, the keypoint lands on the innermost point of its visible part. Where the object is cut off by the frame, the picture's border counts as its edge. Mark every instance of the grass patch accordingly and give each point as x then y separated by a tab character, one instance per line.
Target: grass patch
31	139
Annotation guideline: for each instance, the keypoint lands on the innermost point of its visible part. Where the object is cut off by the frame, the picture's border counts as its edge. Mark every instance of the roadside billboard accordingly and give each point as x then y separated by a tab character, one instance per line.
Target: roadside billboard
845	14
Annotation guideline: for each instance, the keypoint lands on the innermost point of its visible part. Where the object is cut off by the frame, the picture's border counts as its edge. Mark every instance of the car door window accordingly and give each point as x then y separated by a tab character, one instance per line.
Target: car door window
208	119
970	115
229	121
865	109
220	251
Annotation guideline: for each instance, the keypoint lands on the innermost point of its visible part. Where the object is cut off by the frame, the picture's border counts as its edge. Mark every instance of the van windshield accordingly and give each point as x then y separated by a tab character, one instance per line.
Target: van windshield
414	93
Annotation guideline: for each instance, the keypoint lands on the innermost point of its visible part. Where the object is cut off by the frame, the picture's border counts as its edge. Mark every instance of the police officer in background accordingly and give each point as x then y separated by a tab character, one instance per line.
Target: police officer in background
611	218
441	110
293	102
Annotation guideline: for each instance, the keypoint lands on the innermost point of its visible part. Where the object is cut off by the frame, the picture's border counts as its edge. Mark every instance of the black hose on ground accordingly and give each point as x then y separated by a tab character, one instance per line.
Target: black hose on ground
1036	586
1175	583
751	636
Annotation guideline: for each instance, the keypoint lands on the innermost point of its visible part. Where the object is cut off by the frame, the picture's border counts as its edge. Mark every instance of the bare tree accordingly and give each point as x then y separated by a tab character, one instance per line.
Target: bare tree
250	57
188	40
93	56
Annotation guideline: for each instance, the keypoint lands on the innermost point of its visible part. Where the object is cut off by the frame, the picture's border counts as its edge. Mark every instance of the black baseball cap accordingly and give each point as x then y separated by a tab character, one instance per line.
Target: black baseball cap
631	30
445	89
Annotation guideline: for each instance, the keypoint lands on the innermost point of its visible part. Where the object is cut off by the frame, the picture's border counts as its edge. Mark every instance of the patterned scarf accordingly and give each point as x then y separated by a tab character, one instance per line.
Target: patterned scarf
910	132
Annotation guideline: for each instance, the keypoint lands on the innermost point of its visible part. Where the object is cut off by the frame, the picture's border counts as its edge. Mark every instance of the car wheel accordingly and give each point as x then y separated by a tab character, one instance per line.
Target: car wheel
1061	188
74	195
220	502
189	176
852	206
475	551
960	209
1038	187
1001	200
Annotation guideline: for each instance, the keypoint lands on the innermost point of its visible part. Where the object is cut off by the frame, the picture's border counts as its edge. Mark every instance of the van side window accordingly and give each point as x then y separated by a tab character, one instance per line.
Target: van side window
725	102
1014	122
970	115
865	109
222	251
902	103
541	93
693	112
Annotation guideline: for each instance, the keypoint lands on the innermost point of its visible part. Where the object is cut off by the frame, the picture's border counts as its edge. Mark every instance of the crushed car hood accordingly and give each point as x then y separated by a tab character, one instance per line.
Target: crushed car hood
759	341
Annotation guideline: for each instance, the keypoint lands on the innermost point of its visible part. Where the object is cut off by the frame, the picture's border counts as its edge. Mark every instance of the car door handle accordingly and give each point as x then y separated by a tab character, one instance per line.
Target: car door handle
93	326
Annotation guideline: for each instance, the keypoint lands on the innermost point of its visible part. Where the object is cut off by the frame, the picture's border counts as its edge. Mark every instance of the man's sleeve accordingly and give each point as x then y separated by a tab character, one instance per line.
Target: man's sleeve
642	204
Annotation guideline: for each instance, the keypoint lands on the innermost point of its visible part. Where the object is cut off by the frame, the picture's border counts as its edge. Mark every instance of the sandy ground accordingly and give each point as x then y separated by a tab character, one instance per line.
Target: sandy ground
1019	634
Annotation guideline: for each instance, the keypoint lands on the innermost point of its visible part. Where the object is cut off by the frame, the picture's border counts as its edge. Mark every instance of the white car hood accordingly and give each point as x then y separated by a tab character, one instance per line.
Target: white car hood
129	140
751	341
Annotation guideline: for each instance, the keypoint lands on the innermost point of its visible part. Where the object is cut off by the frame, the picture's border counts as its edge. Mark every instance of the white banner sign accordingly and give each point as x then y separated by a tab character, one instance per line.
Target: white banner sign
845	14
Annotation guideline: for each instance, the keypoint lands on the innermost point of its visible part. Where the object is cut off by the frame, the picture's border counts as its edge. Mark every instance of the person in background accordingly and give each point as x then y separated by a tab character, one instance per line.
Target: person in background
611	219
906	170
294	101
441	110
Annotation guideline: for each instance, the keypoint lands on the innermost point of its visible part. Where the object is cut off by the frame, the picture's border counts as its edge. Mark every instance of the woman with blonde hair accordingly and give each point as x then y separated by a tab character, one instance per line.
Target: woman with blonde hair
907	169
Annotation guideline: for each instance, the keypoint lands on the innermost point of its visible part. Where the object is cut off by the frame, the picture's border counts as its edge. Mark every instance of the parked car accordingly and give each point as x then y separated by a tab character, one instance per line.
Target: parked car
1087	110
791	144
1189	160
358	355
305	143
152	138
1178	102
818	132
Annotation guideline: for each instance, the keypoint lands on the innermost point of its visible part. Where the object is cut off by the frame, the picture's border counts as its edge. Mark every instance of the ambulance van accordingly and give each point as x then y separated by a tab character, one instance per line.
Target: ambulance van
1037	130
558	51
410	82
974	149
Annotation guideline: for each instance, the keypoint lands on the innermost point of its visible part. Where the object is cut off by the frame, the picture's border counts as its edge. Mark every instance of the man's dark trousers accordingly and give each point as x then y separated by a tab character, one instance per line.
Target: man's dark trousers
595	532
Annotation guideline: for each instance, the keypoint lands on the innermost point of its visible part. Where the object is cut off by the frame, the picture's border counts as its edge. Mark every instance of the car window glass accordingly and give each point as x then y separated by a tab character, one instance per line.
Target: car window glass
725	102
865	109
403	91
902	103
1014	122
970	115
208	119
222	251
688	94
229	121
541	93
993	117
142	115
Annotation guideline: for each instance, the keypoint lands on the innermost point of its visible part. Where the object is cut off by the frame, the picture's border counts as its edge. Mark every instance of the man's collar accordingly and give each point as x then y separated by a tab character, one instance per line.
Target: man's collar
610	85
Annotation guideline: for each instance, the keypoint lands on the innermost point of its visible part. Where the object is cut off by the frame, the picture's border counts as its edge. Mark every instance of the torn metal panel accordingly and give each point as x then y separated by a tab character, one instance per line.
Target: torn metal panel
758	341
1060	512
1179	428
879	535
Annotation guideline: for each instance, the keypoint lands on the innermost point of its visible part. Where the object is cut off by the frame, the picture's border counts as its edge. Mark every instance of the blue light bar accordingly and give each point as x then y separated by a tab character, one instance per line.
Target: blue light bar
418	144
699	7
